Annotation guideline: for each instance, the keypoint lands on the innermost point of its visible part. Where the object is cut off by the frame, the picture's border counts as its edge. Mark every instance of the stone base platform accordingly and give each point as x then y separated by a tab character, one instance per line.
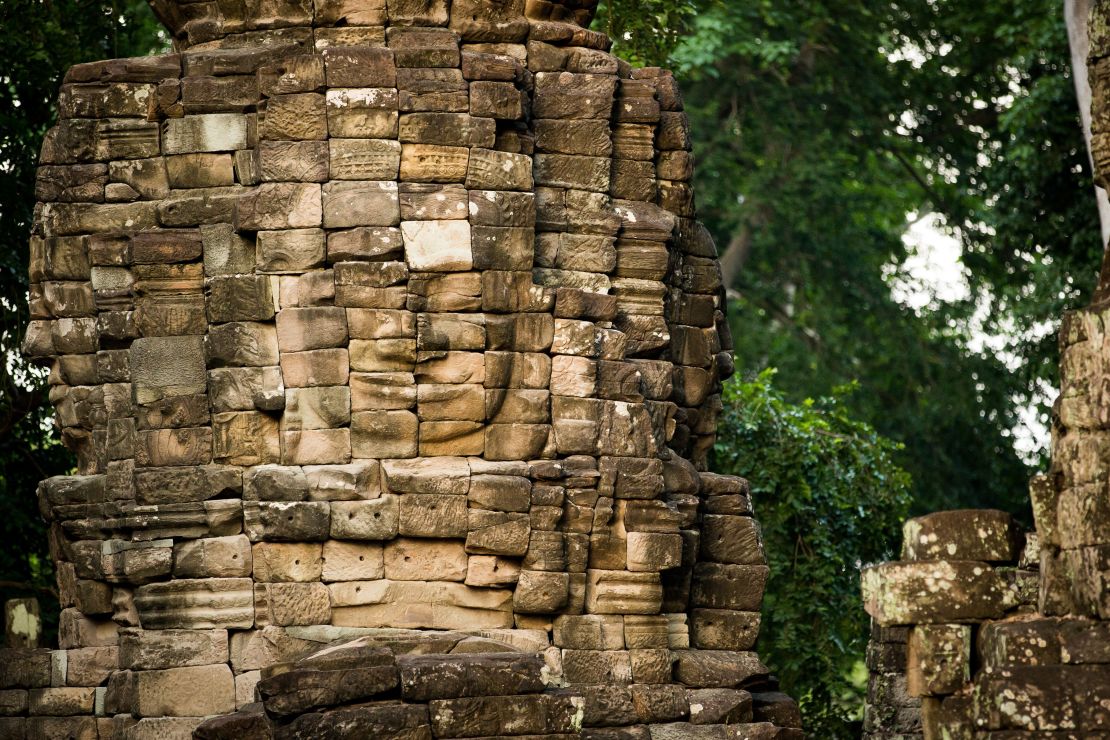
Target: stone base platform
414	685
334	683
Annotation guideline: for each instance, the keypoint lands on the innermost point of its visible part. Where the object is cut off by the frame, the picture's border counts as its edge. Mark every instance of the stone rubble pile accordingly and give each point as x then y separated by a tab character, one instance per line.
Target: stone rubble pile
367	315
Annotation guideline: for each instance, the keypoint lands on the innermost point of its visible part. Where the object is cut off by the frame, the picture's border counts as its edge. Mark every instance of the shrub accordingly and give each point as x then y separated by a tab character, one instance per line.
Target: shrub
829	497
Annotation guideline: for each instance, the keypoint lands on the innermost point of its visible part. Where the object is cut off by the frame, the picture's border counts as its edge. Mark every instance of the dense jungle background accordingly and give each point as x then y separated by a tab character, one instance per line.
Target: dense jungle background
830	136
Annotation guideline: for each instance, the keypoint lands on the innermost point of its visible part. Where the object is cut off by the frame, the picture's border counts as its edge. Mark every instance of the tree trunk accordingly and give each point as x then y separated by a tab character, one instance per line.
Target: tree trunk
1075	14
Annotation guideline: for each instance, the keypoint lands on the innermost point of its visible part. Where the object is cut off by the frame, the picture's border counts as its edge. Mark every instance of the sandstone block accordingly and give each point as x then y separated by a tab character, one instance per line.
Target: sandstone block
716	668
319	327
364	159
163	367
213	603
296	116
405	722
214	132
419	605
939	659
280	205
932	592
623	592
354	481
61	701
325	367
731	539
534	714
425	560
193	691
276	562
352	561
724	629
275	483
290	250
171	648
433	515
986	535
91	666
497	533
500	492
383	355
363	243
376	519
362	113
384	434
382	391
360	203
738	587
213	557
488	169
324	407
428	677
437	245
434	163
293	161
360	67
281	521
653	551
285	604
491	571
241	344
539	592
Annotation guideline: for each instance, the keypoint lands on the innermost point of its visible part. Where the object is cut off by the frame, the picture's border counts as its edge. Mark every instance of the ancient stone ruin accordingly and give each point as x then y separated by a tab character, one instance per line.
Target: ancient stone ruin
982	631
390	352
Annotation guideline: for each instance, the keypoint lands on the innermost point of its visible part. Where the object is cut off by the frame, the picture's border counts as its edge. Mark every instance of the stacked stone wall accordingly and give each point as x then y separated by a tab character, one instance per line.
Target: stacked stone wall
365	316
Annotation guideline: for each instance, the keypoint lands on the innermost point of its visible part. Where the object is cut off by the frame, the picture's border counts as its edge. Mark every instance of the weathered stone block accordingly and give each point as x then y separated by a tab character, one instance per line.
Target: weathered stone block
276	562
376	519
425	560
933	591
193	691
360	203
623	592
986	535
285	604
281	521
534	714
939	659
212	603
352	561
171	648
214	557
419	605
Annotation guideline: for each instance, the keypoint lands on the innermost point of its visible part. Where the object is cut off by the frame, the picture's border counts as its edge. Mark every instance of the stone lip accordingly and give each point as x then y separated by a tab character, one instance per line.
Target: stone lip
191	22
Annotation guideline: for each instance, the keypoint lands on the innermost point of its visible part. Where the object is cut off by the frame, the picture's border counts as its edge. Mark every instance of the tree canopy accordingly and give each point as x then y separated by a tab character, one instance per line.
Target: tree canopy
819	129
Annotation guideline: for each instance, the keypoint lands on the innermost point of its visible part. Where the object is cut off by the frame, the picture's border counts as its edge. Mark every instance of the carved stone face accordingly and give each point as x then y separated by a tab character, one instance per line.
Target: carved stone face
386	315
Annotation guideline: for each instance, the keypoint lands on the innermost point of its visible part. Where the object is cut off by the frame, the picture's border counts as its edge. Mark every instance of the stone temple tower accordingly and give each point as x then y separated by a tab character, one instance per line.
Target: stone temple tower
390	351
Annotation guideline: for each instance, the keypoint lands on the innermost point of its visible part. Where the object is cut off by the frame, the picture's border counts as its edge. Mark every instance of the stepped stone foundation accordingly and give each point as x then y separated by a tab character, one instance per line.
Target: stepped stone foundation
981	631
390	351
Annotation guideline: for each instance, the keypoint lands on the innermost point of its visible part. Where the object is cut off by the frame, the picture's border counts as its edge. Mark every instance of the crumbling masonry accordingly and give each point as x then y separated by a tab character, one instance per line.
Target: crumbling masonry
390	352
981	631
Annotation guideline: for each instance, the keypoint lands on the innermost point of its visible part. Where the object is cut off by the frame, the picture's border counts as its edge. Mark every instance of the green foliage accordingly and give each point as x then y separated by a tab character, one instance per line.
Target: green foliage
818	128
645	32
41	41
830	496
